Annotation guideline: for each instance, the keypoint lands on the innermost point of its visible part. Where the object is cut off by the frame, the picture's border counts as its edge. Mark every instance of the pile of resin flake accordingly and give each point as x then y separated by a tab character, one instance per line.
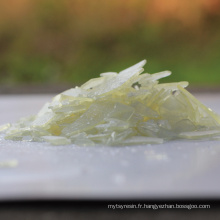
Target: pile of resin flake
122	108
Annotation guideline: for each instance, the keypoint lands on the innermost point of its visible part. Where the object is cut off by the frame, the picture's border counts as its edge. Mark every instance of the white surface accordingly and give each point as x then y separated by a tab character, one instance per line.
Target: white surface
176	169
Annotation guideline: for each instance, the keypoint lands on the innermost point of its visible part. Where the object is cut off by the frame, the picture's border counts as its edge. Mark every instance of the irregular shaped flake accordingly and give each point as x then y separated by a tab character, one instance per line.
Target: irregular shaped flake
112	124
117	138
69	108
96	114
17	134
184	125
199	134
108	74
4	127
140	140
149	128
92	83
56	140
43	120
115	82
99	138
74	92
172	86
133	68
45	109
149	80
144	110
200	105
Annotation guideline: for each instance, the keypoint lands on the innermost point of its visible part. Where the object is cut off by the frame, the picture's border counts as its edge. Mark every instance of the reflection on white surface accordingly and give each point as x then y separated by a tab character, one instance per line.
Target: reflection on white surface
152	155
175	169
8	163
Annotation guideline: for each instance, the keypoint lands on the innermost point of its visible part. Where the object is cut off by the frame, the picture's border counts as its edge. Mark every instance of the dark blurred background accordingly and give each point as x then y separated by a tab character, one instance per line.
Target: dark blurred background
48	45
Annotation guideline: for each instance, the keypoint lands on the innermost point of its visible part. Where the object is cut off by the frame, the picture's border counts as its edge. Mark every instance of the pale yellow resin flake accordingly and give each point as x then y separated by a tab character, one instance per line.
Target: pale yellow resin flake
125	108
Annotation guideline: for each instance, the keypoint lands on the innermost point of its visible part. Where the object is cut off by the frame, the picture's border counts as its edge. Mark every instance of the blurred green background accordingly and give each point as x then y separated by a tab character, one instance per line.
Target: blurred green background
64	42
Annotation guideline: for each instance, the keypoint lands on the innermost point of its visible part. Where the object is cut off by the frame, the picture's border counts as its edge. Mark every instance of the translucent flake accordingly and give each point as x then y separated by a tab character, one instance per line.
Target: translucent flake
4	127
45	109
200	105
117	81
99	138
43	120
74	92
56	140
199	134
139	140
172	86
144	110
112	124
108	74
117	138
92	117
133	68
156	76
8	163
83	142
184	125
92	83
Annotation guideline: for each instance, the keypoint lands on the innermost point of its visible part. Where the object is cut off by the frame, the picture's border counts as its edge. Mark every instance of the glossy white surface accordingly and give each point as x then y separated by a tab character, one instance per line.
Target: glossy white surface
176	169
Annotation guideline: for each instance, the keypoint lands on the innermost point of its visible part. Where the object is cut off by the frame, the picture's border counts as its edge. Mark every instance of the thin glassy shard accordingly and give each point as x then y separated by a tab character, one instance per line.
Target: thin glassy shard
56	140
45	109
140	140
4	127
199	134
108	74
172	86
134	67
159	75
74	92
125	108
